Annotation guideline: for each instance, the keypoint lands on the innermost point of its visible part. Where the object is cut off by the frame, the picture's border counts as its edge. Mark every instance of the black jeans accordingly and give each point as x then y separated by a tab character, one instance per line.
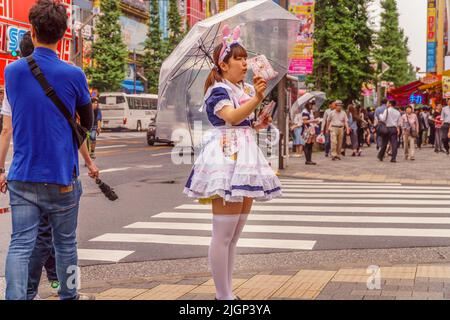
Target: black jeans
391	137
444	133
43	256
308	151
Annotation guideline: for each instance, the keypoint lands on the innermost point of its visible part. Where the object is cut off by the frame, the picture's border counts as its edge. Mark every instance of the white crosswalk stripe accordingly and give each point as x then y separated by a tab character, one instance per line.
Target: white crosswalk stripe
120	135
309	213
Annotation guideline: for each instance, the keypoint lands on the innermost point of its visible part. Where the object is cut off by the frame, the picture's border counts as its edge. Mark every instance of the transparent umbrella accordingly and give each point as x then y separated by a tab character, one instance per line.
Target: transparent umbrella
266	29
318	96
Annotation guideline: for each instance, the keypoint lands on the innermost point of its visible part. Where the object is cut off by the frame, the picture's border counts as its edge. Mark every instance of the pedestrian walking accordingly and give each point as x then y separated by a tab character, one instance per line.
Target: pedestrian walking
337	126
309	132
426	125
297	128
410	130
420	136
353	119
43	177
437	120
97	127
445	129
231	171
391	117
324	128
378	112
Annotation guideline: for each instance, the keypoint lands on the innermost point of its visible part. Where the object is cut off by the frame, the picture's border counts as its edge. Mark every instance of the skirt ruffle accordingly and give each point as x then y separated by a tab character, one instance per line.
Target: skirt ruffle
247	174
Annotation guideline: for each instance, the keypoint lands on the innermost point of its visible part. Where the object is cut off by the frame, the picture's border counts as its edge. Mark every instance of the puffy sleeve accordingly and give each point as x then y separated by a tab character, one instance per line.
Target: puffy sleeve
218	99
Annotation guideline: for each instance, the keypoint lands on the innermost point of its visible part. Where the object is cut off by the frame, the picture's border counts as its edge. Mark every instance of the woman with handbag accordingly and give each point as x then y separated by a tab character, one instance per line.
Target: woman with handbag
410	129
297	129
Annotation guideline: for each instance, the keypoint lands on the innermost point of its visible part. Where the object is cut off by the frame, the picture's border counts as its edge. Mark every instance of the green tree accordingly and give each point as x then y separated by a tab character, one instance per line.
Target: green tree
108	51
392	46
175	32
343	41
154	49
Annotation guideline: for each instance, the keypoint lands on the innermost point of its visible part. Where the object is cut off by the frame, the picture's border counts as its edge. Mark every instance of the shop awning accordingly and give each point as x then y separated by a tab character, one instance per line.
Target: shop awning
406	89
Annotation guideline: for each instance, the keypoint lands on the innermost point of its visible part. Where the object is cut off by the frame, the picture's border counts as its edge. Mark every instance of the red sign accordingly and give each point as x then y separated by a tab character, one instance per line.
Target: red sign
14	15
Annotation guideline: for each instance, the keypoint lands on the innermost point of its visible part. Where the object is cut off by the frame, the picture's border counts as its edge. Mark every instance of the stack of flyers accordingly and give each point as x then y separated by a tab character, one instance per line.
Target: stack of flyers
266	111
261	67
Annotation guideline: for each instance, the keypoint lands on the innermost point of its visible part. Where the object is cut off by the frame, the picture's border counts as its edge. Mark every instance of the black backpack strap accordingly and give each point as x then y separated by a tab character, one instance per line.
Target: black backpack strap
49	91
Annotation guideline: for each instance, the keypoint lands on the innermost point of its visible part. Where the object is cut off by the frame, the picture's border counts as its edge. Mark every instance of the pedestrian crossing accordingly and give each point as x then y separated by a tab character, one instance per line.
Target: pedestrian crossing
311	215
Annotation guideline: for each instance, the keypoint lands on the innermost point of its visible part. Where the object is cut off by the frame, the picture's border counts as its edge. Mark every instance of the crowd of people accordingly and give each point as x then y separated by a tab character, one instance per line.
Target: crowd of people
388	126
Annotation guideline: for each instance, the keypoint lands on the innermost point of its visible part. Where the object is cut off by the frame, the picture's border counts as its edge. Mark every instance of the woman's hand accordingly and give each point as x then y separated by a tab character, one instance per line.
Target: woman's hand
266	121
260	87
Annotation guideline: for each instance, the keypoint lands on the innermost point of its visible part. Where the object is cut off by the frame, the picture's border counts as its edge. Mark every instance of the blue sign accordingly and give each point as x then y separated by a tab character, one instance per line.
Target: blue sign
431	57
416	99
15	35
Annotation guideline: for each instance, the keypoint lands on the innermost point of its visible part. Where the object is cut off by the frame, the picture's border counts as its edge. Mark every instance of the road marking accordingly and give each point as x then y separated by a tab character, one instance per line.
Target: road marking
205	241
306	218
300	180
113	146
333	209
150	167
114	169
163	154
391	232
385	188
363	196
103	255
364	201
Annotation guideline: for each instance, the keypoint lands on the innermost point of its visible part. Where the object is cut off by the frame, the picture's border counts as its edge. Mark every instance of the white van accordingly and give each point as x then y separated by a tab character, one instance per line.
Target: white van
128	111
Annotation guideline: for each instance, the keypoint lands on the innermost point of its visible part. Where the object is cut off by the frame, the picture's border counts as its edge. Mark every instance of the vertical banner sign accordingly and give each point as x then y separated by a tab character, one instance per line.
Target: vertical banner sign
431	36
302	58
446	87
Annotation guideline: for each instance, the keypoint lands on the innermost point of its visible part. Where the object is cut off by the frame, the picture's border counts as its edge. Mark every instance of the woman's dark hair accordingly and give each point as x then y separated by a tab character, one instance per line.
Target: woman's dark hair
352	111
26	46
237	51
49	19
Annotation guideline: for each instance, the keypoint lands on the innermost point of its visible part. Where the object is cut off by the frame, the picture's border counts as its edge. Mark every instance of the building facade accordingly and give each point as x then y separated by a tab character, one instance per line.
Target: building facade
14	23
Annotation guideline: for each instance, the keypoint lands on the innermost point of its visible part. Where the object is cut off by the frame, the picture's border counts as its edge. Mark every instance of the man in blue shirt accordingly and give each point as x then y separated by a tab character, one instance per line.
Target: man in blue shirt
43	177
378	112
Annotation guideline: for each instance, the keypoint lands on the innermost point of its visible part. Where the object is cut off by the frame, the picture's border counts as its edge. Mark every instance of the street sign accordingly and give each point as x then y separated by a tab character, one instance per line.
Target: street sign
384	67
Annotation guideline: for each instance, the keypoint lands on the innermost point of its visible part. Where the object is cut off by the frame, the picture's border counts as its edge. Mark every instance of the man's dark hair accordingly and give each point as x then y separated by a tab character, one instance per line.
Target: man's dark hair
384	101
393	103
49	20
26	45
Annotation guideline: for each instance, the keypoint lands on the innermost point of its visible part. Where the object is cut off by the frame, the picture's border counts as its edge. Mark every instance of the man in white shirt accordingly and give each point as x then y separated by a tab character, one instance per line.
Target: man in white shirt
445	129
391	117
324	130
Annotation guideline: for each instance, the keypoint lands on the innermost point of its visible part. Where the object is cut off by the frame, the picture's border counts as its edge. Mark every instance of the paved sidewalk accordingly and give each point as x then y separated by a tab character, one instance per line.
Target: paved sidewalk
429	168
397	282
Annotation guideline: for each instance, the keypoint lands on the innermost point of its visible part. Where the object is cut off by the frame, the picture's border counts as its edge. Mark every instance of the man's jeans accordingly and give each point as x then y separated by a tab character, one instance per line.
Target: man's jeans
327	143
29	203
43	255
391	137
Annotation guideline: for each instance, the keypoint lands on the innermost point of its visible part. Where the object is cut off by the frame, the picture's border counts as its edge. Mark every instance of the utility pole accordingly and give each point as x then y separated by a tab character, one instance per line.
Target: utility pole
78	56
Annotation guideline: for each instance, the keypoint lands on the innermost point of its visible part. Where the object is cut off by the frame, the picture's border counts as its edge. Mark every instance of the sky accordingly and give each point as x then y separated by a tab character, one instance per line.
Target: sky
413	19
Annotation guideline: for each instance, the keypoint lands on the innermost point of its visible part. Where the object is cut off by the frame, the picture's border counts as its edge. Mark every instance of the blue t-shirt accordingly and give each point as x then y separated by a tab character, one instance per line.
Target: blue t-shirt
44	147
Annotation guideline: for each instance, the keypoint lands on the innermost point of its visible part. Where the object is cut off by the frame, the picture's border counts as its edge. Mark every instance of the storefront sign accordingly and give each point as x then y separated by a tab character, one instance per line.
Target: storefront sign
431	36
446	87
416	99
302	59
14	36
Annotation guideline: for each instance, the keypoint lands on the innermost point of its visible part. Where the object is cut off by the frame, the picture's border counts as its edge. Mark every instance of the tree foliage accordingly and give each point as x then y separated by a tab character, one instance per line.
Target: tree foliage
108	51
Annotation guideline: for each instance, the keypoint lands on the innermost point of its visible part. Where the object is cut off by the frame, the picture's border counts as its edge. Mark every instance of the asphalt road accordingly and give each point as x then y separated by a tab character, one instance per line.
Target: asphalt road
153	220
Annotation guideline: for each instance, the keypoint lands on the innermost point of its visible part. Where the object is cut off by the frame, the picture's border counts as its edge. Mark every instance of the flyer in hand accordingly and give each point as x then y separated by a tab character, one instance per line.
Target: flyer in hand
261	67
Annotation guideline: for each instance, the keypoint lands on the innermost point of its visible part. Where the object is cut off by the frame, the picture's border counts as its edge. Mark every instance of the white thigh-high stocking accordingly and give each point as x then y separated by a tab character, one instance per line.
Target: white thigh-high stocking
232	251
223	230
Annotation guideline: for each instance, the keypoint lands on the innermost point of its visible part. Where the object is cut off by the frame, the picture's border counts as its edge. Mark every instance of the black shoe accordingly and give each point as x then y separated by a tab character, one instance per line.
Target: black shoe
436	150
310	163
339	158
334	158
326	155
447	152
380	158
353	154
393	161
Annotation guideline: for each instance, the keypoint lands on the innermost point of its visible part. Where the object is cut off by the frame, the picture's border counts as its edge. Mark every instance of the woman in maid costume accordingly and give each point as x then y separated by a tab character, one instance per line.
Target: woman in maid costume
231	171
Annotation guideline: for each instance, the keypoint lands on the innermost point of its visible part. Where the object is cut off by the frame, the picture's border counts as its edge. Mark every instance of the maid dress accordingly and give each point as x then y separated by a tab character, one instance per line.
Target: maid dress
230	165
